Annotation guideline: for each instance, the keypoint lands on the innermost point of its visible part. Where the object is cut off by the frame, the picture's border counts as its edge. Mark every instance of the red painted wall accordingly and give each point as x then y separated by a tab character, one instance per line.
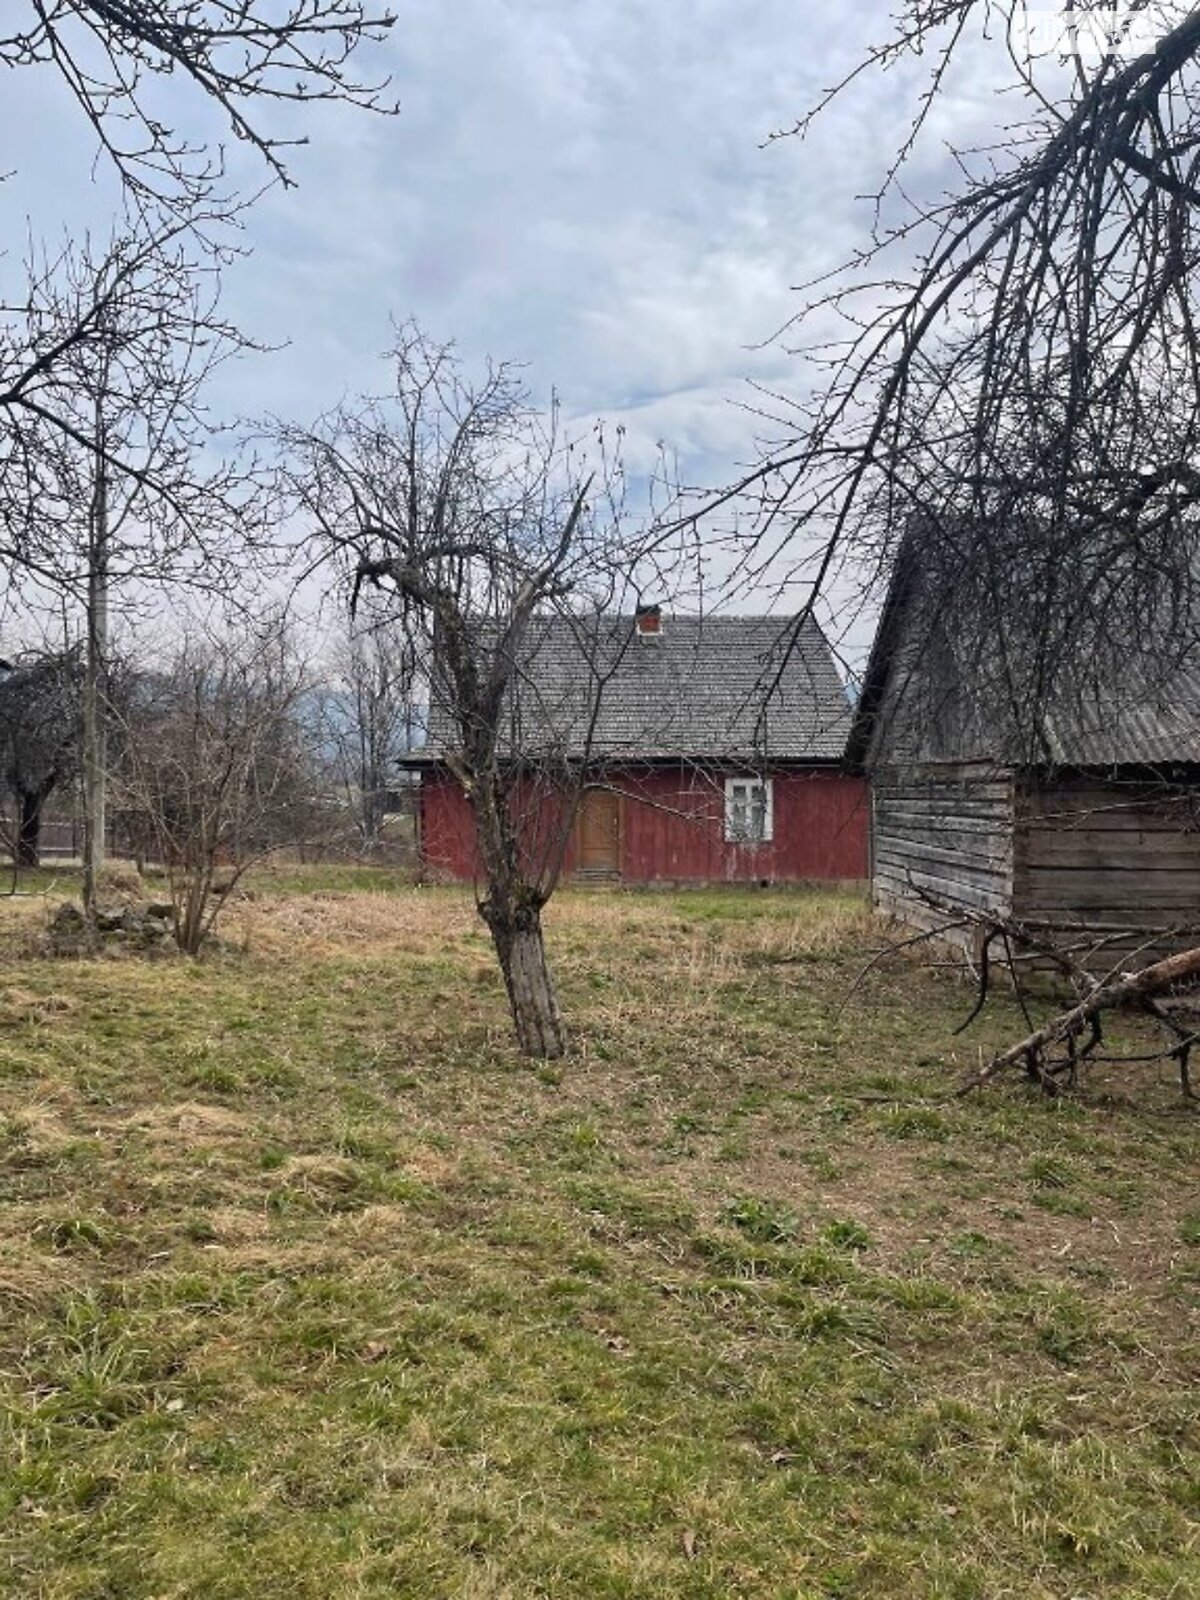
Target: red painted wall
672	829
448	827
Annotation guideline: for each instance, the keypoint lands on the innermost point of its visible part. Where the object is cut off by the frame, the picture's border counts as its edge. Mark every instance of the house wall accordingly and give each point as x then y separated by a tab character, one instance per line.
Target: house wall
672	828
446	831
942	830
1106	853
447	827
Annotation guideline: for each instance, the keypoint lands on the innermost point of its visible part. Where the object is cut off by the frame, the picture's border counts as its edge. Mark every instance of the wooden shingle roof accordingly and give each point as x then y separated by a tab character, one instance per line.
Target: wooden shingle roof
718	688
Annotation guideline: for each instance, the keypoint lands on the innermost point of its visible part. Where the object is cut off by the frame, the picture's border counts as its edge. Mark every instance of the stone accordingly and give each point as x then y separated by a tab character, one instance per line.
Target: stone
68	918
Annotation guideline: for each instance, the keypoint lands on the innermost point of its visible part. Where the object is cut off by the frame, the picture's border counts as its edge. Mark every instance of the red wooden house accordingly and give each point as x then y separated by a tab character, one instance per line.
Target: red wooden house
713	753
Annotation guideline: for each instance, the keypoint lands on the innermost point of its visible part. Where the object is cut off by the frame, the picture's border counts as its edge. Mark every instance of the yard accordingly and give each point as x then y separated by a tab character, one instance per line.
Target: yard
312	1288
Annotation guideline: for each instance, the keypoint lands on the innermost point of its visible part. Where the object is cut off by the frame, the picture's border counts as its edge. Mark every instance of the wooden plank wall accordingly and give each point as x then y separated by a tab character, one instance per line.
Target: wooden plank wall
1108	854
672	828
945	829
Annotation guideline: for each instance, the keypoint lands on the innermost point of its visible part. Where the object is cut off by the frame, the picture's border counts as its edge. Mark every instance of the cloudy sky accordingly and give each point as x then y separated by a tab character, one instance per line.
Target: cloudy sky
585	188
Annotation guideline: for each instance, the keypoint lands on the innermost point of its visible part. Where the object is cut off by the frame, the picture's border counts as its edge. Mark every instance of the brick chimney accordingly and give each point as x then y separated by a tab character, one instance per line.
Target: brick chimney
649	624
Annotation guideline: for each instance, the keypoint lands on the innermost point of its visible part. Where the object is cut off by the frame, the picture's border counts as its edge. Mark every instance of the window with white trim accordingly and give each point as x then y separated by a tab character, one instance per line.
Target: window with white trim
749	811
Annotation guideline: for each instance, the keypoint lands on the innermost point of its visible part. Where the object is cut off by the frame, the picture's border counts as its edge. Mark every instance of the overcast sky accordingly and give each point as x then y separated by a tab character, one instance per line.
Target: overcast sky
585	188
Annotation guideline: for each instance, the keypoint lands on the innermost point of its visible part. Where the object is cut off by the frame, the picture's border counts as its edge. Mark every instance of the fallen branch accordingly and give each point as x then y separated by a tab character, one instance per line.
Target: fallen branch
881	956
1055	1051
1138	988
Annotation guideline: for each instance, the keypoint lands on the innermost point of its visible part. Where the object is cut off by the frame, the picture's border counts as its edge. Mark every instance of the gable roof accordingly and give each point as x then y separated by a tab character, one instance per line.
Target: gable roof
915	706
719	688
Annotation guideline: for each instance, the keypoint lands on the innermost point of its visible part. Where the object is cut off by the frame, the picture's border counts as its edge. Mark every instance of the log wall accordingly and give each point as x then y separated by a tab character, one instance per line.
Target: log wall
944	830
1058	850
1108	854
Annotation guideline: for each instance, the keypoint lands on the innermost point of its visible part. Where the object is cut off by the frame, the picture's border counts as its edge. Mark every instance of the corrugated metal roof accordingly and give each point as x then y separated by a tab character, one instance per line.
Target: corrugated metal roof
1128	724
929	694
741	688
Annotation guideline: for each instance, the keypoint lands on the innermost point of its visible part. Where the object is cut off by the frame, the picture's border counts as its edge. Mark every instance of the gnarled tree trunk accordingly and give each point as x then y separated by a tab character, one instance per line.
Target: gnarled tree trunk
515	922
512	910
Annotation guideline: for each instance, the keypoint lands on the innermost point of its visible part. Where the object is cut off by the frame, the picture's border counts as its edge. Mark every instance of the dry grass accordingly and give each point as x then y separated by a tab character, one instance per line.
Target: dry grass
311	1287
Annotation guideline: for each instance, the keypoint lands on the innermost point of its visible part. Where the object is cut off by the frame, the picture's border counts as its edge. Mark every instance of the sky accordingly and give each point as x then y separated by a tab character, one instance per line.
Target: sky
589	189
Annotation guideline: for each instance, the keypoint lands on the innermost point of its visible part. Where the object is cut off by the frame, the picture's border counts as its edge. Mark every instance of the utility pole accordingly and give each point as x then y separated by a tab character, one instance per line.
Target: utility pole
95	683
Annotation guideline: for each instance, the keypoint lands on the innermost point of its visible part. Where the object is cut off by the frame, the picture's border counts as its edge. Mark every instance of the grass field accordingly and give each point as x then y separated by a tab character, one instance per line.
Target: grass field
312	1289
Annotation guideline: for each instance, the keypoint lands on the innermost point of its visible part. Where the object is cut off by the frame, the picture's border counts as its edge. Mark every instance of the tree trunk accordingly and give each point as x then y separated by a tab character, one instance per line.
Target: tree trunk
513	912
517	936
29	831
372	818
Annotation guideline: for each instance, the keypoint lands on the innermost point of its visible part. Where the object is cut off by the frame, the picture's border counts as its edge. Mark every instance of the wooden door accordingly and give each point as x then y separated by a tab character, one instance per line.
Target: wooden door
599	832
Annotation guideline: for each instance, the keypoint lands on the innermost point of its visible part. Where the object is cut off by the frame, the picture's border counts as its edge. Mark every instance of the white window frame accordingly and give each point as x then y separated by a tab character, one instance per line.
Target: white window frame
738	793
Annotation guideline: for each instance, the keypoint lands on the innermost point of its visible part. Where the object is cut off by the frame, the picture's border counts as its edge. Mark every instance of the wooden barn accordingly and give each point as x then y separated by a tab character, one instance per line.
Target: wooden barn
1089	816
715	755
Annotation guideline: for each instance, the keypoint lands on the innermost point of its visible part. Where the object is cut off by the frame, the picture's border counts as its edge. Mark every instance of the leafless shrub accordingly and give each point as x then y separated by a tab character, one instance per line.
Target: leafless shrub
213	767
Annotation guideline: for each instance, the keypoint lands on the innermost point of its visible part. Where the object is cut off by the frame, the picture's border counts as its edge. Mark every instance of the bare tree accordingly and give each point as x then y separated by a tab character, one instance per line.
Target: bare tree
474	513
103	359
1018	352
214	770
113	479
241	56
369	718
105	364
39	738
1016	359
1007	375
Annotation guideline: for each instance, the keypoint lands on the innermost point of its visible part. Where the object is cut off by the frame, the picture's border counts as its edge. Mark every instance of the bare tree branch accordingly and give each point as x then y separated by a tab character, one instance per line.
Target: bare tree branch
239	55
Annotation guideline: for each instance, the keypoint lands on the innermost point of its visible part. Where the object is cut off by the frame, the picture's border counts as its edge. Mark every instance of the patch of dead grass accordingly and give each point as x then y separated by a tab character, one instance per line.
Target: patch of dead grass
187	1124
411	922
19	1006
31	1285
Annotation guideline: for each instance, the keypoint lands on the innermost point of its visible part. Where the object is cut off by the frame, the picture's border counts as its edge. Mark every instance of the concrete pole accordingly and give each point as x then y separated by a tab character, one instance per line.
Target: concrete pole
95	720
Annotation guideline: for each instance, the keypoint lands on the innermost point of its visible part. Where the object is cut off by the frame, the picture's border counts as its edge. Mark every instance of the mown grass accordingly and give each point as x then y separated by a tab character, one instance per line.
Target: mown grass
313	1288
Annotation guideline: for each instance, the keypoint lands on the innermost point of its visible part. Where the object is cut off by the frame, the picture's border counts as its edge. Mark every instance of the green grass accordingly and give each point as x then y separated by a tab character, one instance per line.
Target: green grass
312	1287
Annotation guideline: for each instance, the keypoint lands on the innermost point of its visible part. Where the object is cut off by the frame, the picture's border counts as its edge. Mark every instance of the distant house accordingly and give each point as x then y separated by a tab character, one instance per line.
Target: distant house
714	755
1084	811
